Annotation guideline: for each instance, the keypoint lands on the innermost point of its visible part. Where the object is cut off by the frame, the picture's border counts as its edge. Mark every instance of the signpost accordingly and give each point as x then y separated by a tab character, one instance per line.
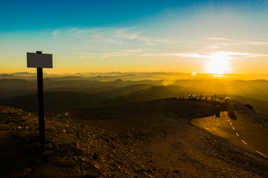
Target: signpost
39	60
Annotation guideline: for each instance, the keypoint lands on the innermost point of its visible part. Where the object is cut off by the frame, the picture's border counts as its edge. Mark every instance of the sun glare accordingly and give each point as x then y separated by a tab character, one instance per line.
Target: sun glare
218	63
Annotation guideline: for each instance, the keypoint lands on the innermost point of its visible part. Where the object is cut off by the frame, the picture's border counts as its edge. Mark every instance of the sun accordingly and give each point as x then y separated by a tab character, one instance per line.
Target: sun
218	63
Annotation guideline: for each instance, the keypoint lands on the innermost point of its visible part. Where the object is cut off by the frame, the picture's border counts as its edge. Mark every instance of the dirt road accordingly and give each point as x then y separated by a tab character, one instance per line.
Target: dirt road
245	132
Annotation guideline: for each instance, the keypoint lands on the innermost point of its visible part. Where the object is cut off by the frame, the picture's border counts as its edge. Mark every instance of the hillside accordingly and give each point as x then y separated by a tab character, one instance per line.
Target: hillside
157	141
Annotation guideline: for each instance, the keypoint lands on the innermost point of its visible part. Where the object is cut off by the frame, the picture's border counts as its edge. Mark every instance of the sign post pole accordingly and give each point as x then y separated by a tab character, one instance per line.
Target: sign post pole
39	61
41	105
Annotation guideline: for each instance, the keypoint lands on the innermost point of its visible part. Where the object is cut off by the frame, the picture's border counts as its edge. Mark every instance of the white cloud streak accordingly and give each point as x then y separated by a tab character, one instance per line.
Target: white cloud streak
207	56
115	42
230	42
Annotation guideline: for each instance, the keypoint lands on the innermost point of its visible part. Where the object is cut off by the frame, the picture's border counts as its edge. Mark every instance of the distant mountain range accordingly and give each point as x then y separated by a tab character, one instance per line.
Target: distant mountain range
67	92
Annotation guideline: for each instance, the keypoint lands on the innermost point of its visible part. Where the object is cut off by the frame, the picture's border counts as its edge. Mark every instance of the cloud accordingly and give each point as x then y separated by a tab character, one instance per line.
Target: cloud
55	34
118	53
126	34
230	42
256	43
141	53
208	55
187	55
242	54
219	39
191	55
129	41
116	36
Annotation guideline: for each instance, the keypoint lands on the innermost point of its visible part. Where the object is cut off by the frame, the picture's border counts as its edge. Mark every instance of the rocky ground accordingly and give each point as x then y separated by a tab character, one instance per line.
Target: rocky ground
162	146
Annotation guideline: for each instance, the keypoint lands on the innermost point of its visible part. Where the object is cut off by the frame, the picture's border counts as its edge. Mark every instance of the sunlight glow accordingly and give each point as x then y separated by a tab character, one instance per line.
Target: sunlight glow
194	74
218	63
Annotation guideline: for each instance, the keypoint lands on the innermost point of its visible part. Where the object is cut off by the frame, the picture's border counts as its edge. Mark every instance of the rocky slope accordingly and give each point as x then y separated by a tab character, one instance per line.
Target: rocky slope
160	146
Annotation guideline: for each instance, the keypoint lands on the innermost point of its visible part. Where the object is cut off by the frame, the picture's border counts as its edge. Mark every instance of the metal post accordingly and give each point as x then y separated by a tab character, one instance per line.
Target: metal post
41	106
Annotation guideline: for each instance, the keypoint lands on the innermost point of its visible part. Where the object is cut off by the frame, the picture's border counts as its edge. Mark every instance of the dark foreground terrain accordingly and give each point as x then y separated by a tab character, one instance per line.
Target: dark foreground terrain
156	141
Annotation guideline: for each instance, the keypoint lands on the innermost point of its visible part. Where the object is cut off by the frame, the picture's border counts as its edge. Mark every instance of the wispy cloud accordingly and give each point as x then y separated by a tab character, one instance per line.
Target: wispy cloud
108	42
219	39
118	53
222	41
54	33
127	35
208	55
242	54
115	42
187	55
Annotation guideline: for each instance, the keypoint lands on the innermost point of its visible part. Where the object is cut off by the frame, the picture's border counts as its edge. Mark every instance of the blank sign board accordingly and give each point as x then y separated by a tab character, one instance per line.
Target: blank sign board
36	60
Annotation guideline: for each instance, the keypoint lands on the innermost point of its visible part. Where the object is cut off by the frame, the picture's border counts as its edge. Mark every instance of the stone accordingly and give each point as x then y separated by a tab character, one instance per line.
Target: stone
95	156
4	127
65	163
27	171
48	153
36	145
91	172
75	158
77	145
50	146
97	165
84	158
176	171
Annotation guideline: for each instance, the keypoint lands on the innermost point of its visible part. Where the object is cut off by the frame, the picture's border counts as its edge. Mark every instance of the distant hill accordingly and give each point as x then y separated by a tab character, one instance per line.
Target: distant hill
148	110
67	92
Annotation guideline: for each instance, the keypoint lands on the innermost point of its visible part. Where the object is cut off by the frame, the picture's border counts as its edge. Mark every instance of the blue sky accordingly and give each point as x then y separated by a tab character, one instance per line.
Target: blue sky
140	35
19	15
49	14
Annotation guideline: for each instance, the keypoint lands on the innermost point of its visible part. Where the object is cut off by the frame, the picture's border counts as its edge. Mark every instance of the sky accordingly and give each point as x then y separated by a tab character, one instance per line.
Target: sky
203	36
